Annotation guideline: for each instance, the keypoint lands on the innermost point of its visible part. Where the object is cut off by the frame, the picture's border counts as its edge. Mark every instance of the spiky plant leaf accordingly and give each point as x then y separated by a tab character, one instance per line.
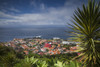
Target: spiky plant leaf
86	27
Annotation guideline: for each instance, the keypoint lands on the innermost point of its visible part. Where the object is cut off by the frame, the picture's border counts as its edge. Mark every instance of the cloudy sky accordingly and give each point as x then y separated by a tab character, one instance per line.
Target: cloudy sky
37	12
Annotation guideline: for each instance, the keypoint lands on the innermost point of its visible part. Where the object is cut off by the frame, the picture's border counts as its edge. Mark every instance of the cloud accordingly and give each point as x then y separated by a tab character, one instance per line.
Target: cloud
42	6
39	5
14	9
6	16
52	15
33	3
11	9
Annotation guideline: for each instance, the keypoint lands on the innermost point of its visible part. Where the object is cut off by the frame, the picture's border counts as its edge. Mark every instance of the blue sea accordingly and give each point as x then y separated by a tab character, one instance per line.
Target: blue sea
47	32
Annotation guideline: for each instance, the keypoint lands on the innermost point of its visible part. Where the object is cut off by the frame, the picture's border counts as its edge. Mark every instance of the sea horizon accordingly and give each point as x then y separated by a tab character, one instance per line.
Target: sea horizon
45	31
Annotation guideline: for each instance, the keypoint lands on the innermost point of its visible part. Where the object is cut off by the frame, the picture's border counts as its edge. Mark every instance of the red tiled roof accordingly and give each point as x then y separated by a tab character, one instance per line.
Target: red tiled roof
41	53
26	52
47	45
25	47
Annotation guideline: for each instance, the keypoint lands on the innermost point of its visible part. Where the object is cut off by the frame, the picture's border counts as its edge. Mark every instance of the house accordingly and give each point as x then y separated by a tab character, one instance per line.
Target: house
24	46
26	52
43	50
47	45
41	53
56	38
69	43
65	42
13	45
73	49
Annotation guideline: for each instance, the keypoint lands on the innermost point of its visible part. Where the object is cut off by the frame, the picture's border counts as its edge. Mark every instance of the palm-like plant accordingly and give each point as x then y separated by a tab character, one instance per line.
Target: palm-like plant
86	26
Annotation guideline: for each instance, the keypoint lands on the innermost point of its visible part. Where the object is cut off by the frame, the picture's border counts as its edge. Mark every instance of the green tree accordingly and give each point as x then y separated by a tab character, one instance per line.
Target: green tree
7	56
86	27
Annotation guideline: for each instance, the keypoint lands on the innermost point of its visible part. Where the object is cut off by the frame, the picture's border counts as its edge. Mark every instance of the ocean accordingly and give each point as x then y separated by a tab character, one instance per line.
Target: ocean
47	32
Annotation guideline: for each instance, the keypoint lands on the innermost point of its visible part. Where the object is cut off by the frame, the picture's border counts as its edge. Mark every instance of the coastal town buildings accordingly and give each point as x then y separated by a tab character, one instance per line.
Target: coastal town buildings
42	46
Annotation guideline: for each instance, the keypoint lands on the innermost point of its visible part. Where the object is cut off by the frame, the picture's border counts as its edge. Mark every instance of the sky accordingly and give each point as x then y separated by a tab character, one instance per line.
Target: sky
37	12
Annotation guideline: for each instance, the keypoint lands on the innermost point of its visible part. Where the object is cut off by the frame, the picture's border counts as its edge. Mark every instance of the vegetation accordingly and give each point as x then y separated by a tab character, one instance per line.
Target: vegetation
10	58
31	62
86	27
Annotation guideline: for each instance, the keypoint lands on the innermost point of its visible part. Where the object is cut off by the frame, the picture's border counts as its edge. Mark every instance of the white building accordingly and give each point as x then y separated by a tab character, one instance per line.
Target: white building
65	42
68	42
56	38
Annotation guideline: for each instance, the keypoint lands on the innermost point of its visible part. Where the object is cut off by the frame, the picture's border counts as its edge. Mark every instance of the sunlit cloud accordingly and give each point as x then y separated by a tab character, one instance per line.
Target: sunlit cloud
50	16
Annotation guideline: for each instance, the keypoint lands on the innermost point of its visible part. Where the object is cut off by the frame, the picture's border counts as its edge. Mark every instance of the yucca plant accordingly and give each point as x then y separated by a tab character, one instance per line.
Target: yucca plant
86	27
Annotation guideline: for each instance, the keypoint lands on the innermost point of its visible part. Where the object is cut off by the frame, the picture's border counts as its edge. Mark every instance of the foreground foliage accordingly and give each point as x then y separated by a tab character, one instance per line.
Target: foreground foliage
34	62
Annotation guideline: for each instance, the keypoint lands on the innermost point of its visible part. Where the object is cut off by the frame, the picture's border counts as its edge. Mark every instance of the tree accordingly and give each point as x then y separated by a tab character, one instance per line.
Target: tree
86	27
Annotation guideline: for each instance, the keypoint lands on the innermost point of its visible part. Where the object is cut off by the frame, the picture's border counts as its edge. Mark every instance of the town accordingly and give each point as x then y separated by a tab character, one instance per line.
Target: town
41	46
